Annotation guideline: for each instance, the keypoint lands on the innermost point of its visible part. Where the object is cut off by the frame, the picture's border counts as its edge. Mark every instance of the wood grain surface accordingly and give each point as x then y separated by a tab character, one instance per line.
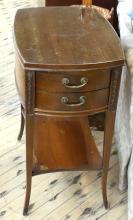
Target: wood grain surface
58	45
53	83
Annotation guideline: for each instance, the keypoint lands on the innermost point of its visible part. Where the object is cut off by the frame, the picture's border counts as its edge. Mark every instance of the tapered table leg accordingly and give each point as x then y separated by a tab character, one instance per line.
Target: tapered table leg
108	135
109	128
29	161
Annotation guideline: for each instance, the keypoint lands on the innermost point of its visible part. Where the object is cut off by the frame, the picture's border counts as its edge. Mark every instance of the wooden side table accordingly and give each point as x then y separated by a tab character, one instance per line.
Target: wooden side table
68	66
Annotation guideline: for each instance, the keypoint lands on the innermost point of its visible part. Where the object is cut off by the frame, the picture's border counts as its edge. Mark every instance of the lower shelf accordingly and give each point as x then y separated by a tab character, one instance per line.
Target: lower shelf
64	144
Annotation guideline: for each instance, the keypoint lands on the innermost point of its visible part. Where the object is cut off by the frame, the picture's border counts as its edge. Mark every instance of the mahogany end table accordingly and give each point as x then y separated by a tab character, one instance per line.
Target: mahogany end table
68	66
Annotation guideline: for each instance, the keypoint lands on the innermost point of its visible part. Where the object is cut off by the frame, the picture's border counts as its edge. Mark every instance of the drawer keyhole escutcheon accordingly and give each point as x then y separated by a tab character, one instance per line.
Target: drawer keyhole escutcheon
65	101
66	83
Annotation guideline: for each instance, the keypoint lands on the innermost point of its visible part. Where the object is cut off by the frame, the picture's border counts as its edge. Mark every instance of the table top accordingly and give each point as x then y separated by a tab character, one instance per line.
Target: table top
59	37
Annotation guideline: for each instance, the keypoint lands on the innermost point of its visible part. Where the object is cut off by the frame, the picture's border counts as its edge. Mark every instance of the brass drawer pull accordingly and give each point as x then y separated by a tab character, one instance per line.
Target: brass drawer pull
66	83
65	101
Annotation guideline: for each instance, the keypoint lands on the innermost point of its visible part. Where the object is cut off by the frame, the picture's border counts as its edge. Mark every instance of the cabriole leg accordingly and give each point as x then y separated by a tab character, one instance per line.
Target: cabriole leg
29	161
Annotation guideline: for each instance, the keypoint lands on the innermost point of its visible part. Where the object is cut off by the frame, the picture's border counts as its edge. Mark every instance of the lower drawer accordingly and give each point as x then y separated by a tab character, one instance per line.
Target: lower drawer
72	101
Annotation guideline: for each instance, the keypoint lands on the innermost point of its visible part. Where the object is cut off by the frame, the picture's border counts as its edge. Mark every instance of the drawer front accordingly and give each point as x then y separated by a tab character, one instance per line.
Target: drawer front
72	82
72	101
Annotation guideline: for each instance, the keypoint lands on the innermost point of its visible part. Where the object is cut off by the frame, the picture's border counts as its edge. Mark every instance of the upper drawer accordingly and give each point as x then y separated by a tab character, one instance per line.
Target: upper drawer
72	81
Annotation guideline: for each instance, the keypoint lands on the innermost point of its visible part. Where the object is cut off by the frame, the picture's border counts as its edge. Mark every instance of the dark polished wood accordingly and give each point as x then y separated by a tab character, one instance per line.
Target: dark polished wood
29	101
109	128
66	70
95	101
71	82
97	121
62	43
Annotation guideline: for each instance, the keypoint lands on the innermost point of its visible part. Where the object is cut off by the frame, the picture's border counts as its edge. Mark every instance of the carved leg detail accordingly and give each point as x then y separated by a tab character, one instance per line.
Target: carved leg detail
29	161
22	125
108	135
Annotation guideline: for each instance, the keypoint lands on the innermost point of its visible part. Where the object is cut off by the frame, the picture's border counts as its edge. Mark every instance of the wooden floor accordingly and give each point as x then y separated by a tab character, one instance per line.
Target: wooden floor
58	196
